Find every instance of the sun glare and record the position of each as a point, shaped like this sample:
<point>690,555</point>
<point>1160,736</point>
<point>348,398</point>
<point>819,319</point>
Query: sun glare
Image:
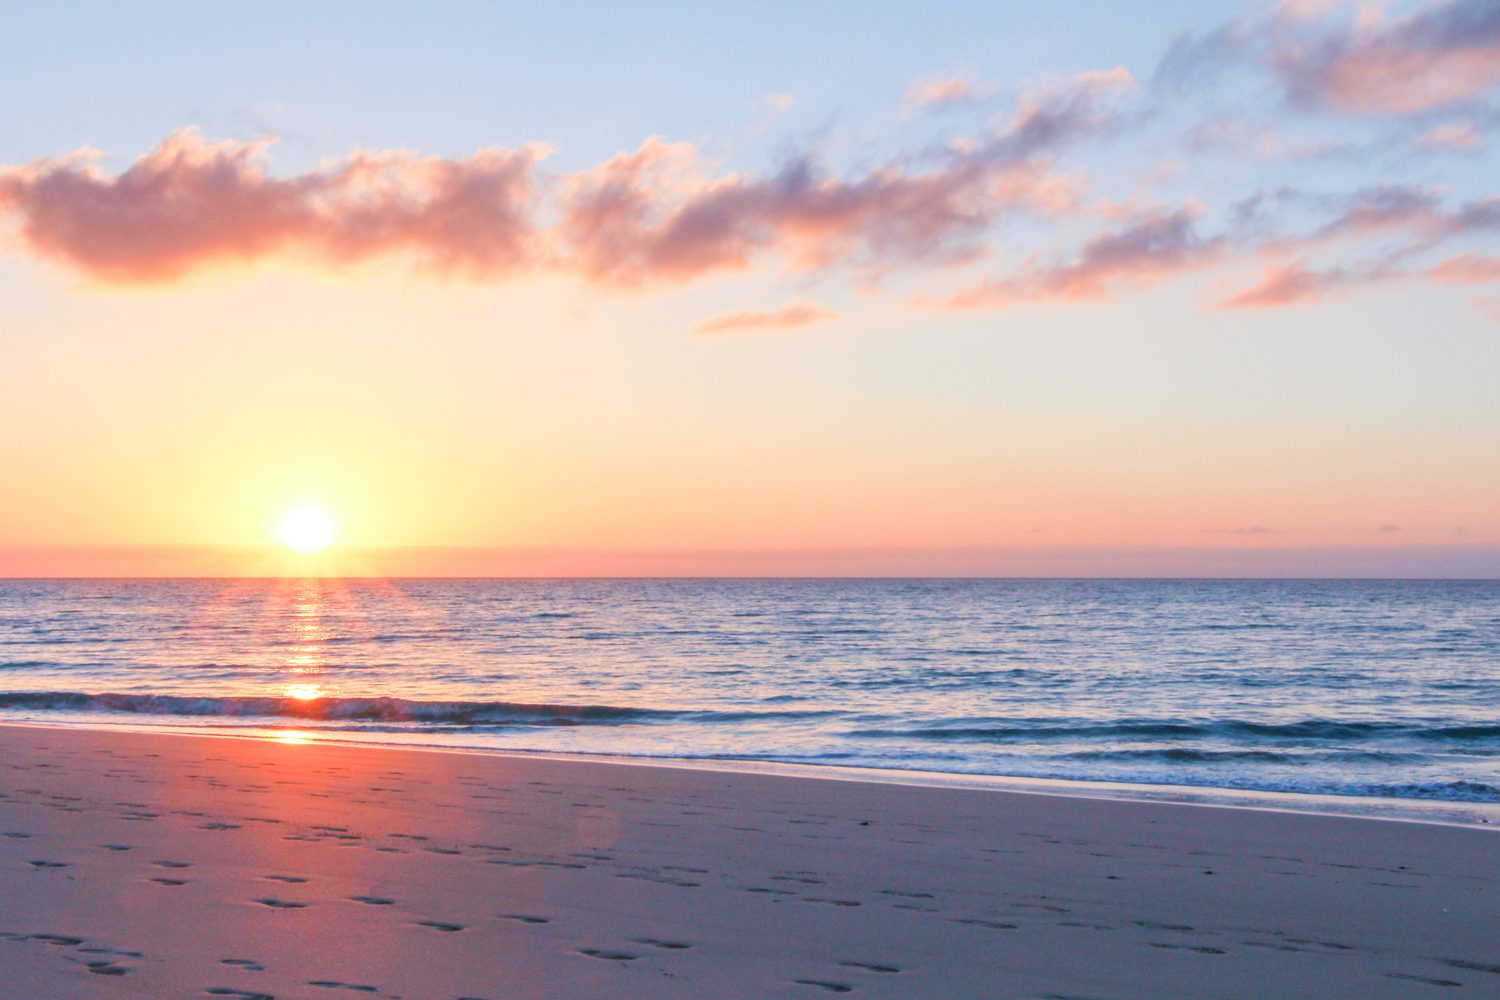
<point>306,529</point>
<point>304,692</point>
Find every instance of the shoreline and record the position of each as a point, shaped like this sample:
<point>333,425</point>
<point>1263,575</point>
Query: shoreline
<point>1443,812</point>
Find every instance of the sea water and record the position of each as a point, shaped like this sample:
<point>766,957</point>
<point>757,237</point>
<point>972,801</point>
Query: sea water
<point>1367,688</point>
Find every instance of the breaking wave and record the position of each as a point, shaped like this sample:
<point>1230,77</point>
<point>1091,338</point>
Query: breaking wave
<point>373,710</point>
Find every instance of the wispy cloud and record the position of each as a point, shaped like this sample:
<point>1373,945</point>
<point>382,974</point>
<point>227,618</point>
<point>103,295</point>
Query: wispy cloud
<point>936,95</point>
<point>1446,54</point>
<point>1254,529</point>
<point>1156,246</point>
<point>1347,58</point>
<point>1489,305</point>
<point>1285,284</point>
<point>790,317</point>
<point>1467,269</point>
<point>1454,135</point>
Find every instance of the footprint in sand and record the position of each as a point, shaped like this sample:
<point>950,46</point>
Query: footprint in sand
<point>289,879</point>
<point>1421,979</point>
<point>169,881</point>
<point>280,904</point>
<point>48,864</point>
<point>227,991</point>
<point>869,967</point>
<point>523,918</point>
<point>1153,925</point>
<point>608,956</point>
<point>107,969</point>
<point>670,945</point>
<point>245,964</point>
<point>110,951</point>
<point>372,900</point>
<point>823,985</point>
<point>330,984</point>
<point>440,926</point>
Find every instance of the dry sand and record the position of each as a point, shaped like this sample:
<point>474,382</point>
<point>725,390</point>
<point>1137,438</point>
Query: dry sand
<point>143,865</point>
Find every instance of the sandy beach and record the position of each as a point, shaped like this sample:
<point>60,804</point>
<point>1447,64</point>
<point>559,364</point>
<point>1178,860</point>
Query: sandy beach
<point>143,865</point>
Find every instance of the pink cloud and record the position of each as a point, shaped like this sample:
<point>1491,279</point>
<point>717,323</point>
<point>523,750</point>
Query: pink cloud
<point>1467,269</point>
<point>189,205</point>
<point>1285,284</point>
<point>651,217</point>
<point>1299,282</point>
<point>1388,210</point>
<point>791,317</point>
<point>930,94</point>
<point>1489,305</point>
<point>1455,135</point>
<point>1057,112</point>
<point>1416,217</point>
<point>648,217</point>
<point>633,221</point>
<point>1154,247</point>
<point>1446,54</point>
<point>1404,222</point>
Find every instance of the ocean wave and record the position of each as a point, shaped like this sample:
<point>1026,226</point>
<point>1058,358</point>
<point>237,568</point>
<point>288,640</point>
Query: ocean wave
<point>1306,731</point>
<point>1450,791</point>
<point>377,710</point>
<point>1185,755</point>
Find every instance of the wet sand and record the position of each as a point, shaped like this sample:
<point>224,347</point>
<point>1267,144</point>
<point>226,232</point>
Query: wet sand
<point>145,865</point>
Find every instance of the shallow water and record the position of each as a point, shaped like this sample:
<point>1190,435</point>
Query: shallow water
<point>1385,688</point>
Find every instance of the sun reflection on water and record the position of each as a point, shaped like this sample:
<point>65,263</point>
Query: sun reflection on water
<point>304,692</point>
<point>308,630</point>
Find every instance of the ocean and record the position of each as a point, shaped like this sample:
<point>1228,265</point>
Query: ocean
<point>1356,688</point>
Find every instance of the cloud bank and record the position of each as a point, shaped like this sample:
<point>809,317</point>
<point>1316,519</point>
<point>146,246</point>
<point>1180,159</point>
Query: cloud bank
<point>1028,207</point>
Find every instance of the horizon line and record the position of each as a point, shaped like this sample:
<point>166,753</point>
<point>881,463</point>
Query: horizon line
<point>1453,561</point>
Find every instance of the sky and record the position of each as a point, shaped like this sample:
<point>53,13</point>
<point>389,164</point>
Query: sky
<point>1036,281</point>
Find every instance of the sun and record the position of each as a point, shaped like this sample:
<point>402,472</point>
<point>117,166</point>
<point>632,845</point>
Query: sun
<point>306,529</point>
